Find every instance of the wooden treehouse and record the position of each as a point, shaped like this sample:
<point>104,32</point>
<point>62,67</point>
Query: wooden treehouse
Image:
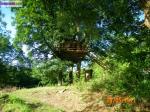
<point>71,50</point>
<point>75,51</point>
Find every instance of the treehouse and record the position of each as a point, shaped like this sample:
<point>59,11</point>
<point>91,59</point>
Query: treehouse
<point>71,50</point>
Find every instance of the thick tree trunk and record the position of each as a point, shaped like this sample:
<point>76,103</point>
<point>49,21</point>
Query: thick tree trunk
<point>145,5</point>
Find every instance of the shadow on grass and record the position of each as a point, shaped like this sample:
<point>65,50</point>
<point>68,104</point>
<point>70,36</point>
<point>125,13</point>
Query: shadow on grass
<point>10,103</point>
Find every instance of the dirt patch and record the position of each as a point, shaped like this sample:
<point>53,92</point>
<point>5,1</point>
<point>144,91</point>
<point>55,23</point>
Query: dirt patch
<point>95,102</point>
<point>71,100</point>
<point>8,89</point>
<point>66,99</point>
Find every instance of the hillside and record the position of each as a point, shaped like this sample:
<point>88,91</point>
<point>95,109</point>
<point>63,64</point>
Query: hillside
<point>52,99</point>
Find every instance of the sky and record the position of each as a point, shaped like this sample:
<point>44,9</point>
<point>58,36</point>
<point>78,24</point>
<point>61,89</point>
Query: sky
<point>8,19</point>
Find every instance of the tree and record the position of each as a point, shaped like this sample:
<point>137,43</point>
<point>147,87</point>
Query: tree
<point>12,75</point>
<point>47,23</point>
<point>145,5</point>
<point>111,28</point>
<point>51,71</point>
<point>4,37</point>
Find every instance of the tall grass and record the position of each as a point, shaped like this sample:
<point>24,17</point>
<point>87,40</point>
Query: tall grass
<point>11,103</point>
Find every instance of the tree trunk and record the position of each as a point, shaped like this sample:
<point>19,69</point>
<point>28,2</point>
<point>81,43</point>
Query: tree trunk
<point>88,74</point>
<point>145,5</point>
<point>71,76</point>
<point>60,78</point>
<point>78,70</point>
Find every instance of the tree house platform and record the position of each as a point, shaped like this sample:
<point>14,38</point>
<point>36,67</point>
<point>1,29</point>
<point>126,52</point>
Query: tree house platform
<point>73,51</point>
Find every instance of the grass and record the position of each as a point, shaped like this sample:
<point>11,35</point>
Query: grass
<point>14,103</point>
<point>38,99</point>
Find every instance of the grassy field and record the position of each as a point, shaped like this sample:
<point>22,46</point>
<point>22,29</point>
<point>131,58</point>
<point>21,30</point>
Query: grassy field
<point>50,99</point>
<point>22,101</point>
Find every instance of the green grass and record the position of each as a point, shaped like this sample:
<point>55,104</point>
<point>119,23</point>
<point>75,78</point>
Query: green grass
<point>13,103</point>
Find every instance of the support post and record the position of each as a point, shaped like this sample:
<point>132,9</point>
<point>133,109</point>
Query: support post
<point>60,78</point>
<point>88,74</point>
<point>71,75</point>
<point>78,70</point>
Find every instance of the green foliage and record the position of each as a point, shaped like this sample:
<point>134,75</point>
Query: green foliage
<point>47,23</point>
<point>12,76</point>
<point>4,36</point>
<point>48,72</point>
<point>97,81</point>
<point>4,43</point>
<point>42,24</point>
<point>125,79</point>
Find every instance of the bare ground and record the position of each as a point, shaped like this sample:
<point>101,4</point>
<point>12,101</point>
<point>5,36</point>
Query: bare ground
<point>68,99</point>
